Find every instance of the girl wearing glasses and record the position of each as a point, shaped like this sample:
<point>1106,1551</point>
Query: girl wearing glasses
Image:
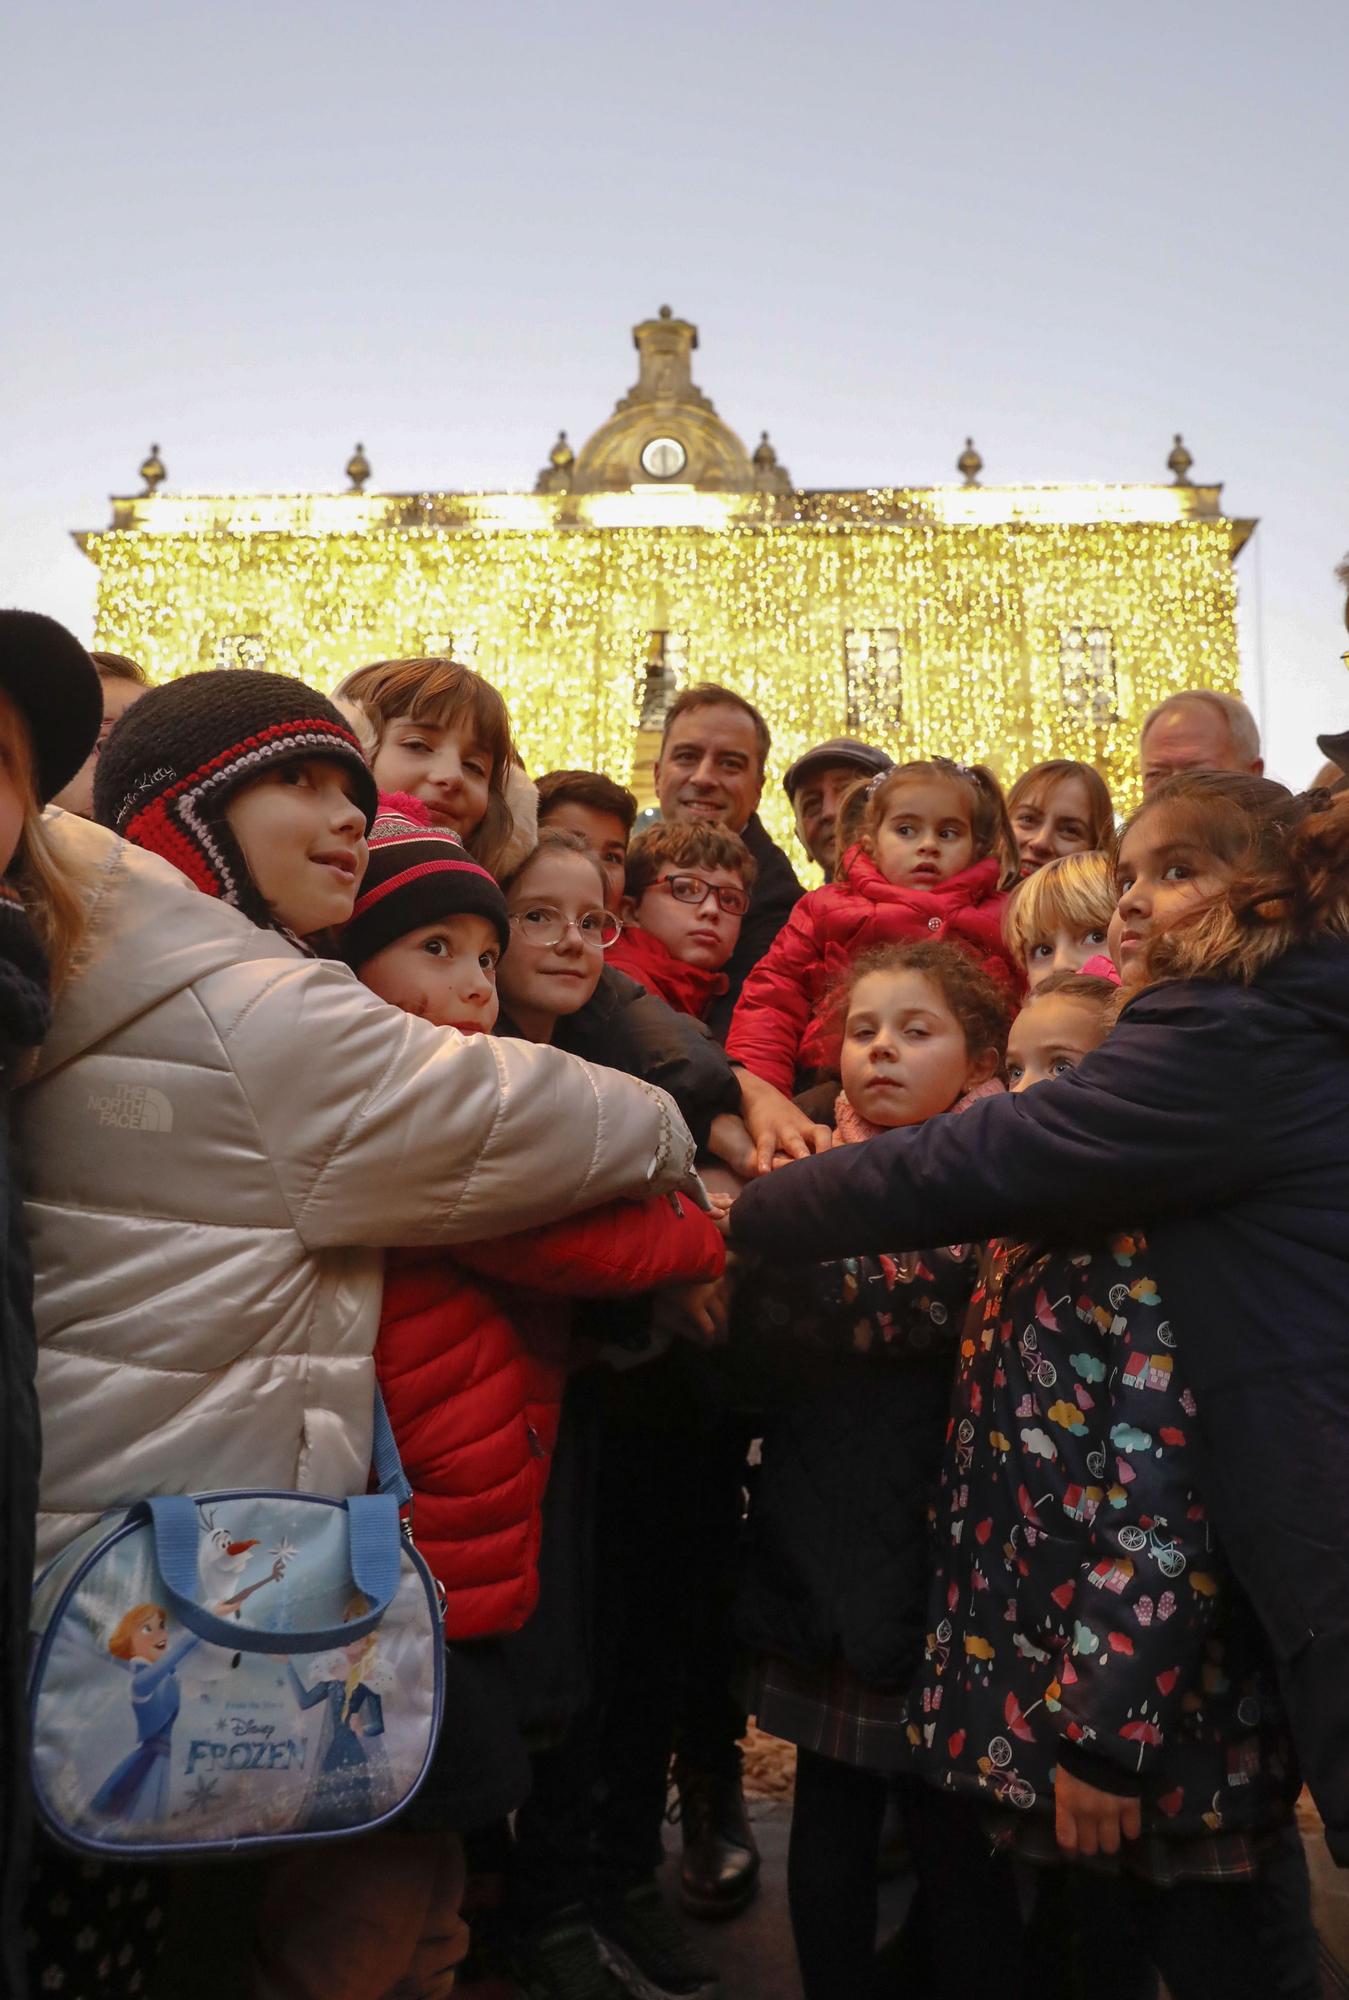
<point>561,929</point>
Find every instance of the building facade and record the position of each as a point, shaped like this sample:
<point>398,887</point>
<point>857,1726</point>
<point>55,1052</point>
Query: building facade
<point>1006,623</point>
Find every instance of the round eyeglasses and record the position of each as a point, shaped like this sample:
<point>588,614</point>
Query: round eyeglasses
<point>546,927</point>
<point>693,889</point>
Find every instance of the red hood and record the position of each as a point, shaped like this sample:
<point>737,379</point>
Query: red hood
<point>972,885</point>
<point>687,988</point>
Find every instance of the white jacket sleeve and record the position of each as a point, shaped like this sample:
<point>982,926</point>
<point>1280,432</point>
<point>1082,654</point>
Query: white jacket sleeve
<point>382,1130</point>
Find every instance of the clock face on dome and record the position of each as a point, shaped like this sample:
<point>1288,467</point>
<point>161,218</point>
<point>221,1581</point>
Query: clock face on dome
<point>663,458</point>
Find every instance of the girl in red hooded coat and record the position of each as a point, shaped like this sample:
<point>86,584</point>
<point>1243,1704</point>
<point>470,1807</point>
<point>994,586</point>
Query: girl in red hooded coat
<point>931,859</point>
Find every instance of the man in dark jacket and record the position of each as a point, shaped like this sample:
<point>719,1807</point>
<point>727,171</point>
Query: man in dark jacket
<point>713,757</point>
<point>1217,1115</point>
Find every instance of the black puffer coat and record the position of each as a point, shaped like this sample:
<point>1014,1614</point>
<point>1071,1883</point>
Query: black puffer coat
<point>1217,1117</point>
<point>856,1372</point>
<point>622,1026</point>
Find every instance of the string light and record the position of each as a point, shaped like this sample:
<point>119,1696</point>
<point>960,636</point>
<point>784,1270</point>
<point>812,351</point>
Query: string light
<point>556,606</point>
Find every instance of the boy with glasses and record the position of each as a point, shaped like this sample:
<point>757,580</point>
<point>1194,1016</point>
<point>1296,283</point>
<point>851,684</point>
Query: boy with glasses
<point>685,896</point>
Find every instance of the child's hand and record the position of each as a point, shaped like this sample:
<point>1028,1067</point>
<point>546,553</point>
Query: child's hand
<point>695,1313</point>
<point>721,1187</point>
<point>728,1137</point>
<point>781,1130</point>
<point>1089,1821</point>
<point>720,1213</point>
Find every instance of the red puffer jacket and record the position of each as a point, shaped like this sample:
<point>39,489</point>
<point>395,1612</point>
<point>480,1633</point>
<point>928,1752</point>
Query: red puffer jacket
<point>472,1358</point>
<point>777,1027</point>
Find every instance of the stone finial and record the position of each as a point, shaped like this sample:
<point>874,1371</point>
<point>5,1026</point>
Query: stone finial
<point>556,476</point>
<point>358,469</point>
<point>969,465</point>
<point>152,470</point>
<point>769,476</point>
<point>1179,462</point>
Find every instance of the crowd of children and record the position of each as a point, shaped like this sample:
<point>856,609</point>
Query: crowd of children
<point>340,1050</point>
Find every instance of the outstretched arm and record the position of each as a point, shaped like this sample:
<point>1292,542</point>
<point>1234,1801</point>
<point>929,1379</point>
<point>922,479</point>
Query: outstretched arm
<point>1166,1114</point>
<point>418,1135</point>
<point>623,1248</point>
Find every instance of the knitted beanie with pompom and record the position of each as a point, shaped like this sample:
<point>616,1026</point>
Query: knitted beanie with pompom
<point>419,873</point>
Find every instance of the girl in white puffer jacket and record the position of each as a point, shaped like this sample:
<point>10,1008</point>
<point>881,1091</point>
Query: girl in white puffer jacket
<point>224,1131</point>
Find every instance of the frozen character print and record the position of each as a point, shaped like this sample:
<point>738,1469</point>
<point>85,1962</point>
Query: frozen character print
<point>223,1563</point>
<point>137,1791</point>
<point>343,1793</point>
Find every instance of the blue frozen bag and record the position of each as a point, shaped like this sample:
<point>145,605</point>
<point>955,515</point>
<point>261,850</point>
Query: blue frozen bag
<point>235,1670</point>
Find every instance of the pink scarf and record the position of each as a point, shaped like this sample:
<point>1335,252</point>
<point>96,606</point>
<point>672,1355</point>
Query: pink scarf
<point>850,1125</point>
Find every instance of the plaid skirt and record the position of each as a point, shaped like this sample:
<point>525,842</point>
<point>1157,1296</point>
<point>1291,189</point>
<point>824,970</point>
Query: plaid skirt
<point>829,1710</point>
<point>1212,1857</point>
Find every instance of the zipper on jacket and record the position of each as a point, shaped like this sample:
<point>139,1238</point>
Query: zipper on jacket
<point>535,1444</point>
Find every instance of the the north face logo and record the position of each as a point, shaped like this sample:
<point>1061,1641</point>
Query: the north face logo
<point>136,1107</point>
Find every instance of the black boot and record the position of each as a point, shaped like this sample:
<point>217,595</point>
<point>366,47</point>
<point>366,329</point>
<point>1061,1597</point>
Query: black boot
<point>719,1872</point>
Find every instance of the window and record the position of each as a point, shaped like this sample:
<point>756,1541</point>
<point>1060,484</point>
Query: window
<point>871,674</point>
<point>239,649</point>
<point>439,643</point>
<point>1087,673</point>
<point>664,665</point>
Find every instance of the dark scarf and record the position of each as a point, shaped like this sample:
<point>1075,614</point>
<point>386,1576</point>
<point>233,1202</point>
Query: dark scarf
<point>25,978</point>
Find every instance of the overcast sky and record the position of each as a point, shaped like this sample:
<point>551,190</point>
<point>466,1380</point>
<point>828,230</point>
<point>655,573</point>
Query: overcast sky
<point>256,233</point>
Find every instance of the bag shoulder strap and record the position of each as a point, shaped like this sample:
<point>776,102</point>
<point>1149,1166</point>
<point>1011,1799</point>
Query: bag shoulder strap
<point>389,1474</point>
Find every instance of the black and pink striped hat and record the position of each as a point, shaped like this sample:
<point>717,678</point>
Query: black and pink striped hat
<point>419,873</point>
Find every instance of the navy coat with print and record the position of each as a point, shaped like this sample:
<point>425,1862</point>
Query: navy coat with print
<point>1081,1614</point>
<point>1216,1117</point>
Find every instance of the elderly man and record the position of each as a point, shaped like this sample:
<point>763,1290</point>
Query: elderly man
<point>816,782</point>
<point>711,766</point>
<point>1198,730</point>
